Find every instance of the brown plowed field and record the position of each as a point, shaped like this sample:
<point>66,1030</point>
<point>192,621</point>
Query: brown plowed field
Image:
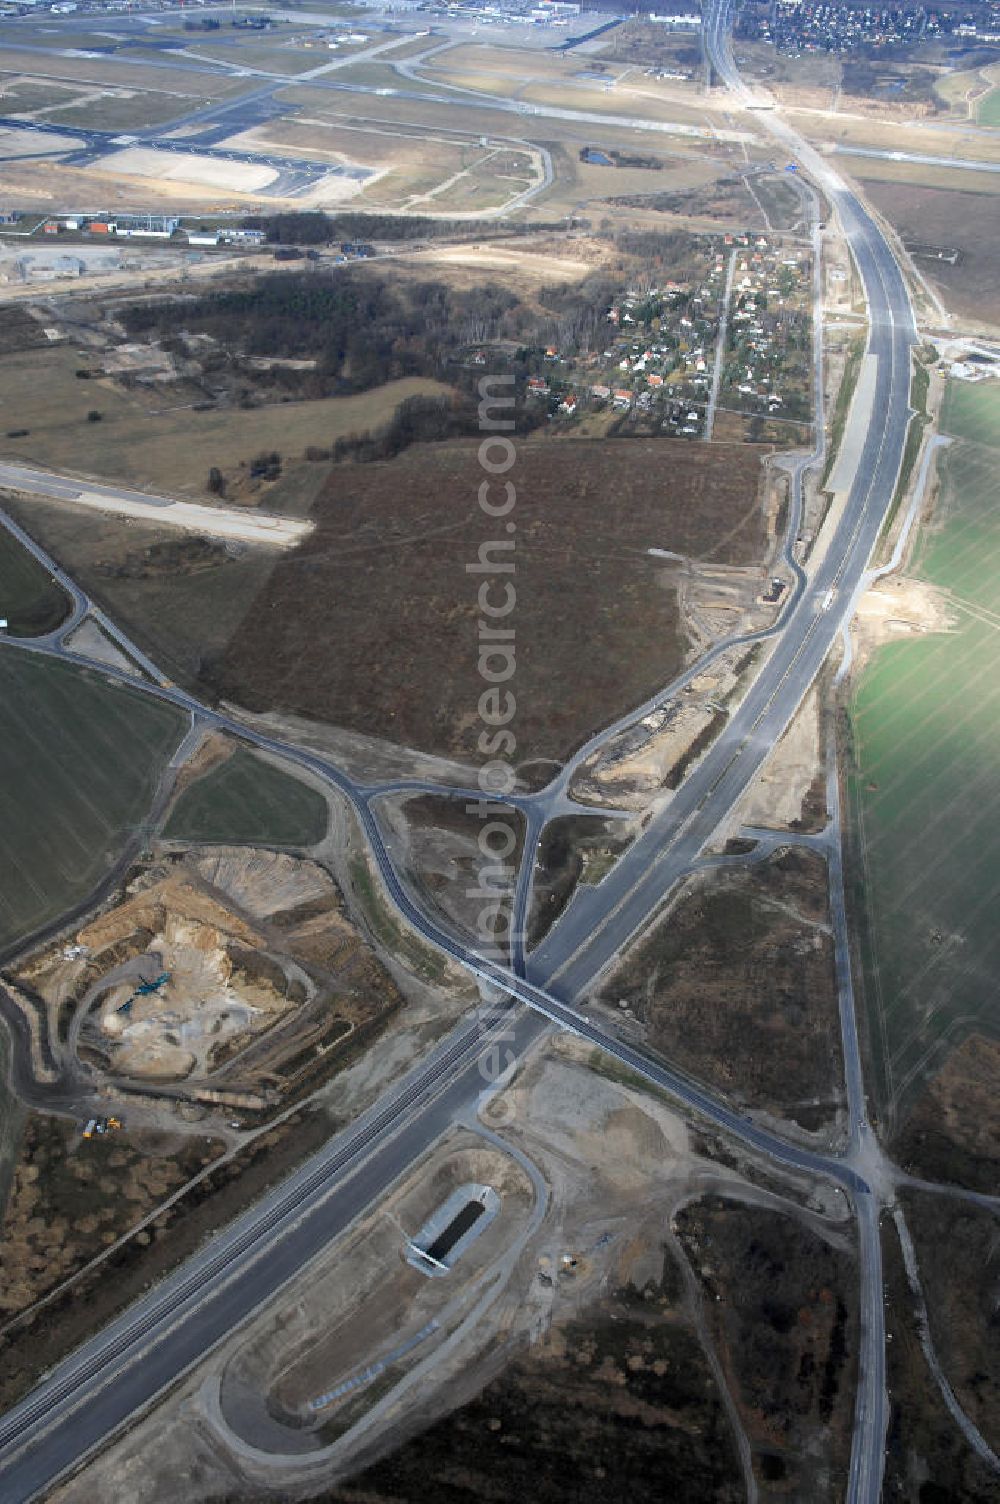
<point>929,219</point>
<point>372,623</point>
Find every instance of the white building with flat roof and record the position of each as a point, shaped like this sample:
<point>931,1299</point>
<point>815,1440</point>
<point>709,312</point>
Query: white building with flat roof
<point>686,21</point>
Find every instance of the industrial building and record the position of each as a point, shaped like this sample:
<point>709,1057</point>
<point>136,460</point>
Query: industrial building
<point>155,226</point>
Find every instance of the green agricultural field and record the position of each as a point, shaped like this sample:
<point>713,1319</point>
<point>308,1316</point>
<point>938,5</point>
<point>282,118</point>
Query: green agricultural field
<point>80,761</point>
<point>926,801</point>
<point>988,110</point>
<point>972,411</point>
<point>246,799</point>
<point>30,600</point>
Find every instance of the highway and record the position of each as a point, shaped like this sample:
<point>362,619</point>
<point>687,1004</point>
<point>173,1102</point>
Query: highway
<point>159,1338</point>
<point>891,335</point>
<point>162,1335</point>
<point>965,164</point>
<point>599,921</point>
<point>496,978</point>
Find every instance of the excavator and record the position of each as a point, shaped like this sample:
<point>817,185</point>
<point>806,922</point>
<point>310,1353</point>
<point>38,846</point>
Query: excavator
<point>144,989</point>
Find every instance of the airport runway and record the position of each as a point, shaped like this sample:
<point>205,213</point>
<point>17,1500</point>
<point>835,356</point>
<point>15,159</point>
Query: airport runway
<point>295,173</point>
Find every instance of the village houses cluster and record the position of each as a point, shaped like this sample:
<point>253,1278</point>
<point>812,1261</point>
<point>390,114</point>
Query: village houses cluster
<point>658,366</point>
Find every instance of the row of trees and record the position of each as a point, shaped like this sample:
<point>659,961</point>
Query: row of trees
<point>362,331</point>
<point>312,227</point>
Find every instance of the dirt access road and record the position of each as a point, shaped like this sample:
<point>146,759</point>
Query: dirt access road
<point>215,522</point>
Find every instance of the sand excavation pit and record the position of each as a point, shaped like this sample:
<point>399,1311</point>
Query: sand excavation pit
<point>188,167</point>
<point>218,990</point>
<point>901,607</point>
<point>204,1004</point>
<point>234,970</point>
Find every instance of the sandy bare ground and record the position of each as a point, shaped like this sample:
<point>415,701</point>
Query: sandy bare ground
<point>616,1162</point>
<point>333,189</point>
<point>14,143</point>
<point>217,522</point>
<point>213,522</point>
<point>257,139</point>
<point>88,638</point>
<point>496,258</point>
<point>188,167</point>
<point>189,170</point>
<point>45,182</point>
<point>776,796</point>
<point>900,607</point>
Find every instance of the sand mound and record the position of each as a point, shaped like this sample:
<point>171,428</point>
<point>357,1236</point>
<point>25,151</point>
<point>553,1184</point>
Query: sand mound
<point>262,883</point>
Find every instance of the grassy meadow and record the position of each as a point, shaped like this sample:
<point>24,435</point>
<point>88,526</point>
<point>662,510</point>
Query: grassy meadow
<point>925,790</point>
<point>248,800</point>
<point>80,761</point>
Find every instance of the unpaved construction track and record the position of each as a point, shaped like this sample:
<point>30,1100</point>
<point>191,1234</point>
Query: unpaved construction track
<point>215,522</point>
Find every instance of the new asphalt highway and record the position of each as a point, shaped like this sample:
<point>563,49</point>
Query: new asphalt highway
<point>964,164</point>
<point>186,1315</point>
<point>600,920</point>
<point>117,1374</point>
<point>157,1340</point>
<point>892,334</point>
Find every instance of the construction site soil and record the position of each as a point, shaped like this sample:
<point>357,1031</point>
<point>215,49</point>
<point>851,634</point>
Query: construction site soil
<point>372,623</point>
<point>952,1133</point>
<point>782,1308</point>
<point>462,858</point>
<point>589,1370</point>
<point>736,984</point>
<point>926,1456</point>
<point>265,980</point>
<point>19,331</point>
<point>606,1405</point>
<point>957,1246</point>
<point>367,1302</point>
<point>265,991</point>
<point>933,220</point>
